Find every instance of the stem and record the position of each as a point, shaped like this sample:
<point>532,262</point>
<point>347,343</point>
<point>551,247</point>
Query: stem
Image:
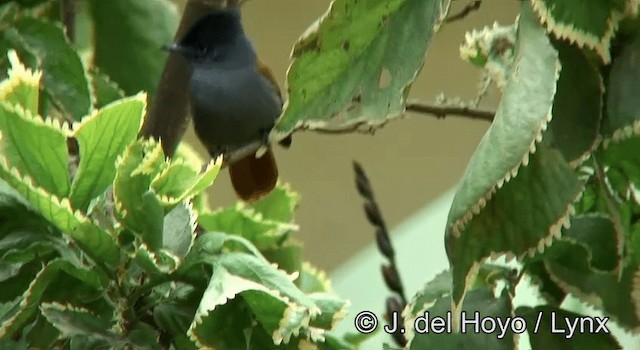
<point>471,7</point>
<point>443,111</point>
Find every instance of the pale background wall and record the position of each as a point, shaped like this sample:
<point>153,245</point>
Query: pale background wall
<point>410,161</point>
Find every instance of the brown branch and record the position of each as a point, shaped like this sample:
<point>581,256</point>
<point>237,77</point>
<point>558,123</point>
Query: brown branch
<point>68,18</point>
<point>415,107</point>
<point>474,6</point>
<point>167,117</point>
<point>443,111</point>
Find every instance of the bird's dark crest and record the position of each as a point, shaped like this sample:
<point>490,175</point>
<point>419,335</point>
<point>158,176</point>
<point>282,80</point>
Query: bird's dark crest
<point>217,28</point>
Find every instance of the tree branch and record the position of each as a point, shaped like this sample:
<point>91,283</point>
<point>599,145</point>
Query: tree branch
<point>443,111</point>
<point>474,6</point>
<point>68,18</point>
<point>167,117</point>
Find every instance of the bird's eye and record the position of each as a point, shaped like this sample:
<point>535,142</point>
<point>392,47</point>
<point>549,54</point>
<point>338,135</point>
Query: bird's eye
<point>201,51</point>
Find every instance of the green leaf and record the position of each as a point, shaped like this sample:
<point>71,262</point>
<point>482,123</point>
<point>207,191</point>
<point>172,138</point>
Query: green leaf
<point>598,235</point>
<point>279,205</point>
<point>16,213</point>
<point>356,64</point>
<point>478,304</point>
<point>36,148</point>
<point>277,304</point>
<point>623,105</point>
<point>209,245</point>
<point>15,319</point>
<point>101,139</point>
<point>181,180</point>
<point>22,87</point>
<point>245,222</point>
<point>540,278</point>
<point>622,157</point>
<point>577,106</point>
<point>90,237</point>
<point>613,292</point>
<point>231,320</point>
<point>134,171</point>
<point>287,256</point>
<point>179,230</point>
<point>521,218</point>
<point>71,320</point>
<point>104,90</point>
<point>549,318</point>
<point>313,280</point>
<point>591,23</point>
<point>137,29</point>
<point>64,77</point>
<point>41,334</point>
<point>511,199</point>
<point>332,310</point>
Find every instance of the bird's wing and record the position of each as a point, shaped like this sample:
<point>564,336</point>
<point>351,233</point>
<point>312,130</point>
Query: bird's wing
<point>266,72</point>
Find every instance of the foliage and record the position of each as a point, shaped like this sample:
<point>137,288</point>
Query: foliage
<point>554,183</point>
<point>106,243</point>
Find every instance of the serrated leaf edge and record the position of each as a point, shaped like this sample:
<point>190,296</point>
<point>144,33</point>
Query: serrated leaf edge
<point>577,36</point>
<point>593,300</point>
<point>140,97</point>
<point>18,73</point>
<point>61,203</point>
<point>320,275</point>
<point>458,226</point>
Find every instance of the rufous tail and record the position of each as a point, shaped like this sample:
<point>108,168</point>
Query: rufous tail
<point>253,178</point>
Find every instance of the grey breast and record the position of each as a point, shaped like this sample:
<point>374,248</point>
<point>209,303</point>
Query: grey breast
<point>232,107</point>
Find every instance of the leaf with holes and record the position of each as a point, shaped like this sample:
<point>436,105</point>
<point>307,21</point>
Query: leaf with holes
<point>355,65</point>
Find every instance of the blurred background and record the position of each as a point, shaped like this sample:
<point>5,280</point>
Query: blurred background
<point>409,161</point>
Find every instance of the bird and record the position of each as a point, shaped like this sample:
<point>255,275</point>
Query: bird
<point>235,99</point>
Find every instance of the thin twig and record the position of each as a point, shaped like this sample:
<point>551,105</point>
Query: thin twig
<point>471,7</point>
<point>397,302</point>
<point>443,111</point>
<point>415,106</point>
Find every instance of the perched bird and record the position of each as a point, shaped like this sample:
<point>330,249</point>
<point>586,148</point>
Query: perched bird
<point>235,99</point>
